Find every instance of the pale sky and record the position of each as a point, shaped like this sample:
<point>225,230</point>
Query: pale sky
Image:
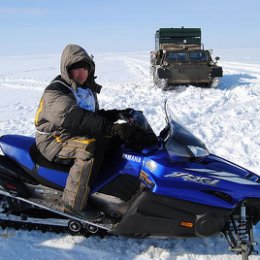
<point>46,26</point>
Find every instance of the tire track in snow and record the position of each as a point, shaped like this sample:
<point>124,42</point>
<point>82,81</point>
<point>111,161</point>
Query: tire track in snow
<point>28,84</point>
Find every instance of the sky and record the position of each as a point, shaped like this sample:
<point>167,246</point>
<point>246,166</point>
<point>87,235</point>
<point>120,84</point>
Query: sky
<point>47,26</point>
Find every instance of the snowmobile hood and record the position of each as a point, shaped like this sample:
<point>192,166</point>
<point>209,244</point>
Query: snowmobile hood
<point>210,180</point>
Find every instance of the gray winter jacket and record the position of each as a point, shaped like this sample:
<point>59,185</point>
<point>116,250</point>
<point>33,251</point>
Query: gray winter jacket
<point>59,117</point>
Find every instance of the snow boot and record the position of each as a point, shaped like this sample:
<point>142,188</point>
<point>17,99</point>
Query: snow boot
<point>89,214</point>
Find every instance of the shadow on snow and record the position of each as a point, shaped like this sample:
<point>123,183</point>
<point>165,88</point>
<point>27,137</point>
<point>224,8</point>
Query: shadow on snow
<point>229,82</point>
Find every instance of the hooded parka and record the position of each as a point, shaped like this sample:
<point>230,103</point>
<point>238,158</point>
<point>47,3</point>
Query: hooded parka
<point>59,116</point>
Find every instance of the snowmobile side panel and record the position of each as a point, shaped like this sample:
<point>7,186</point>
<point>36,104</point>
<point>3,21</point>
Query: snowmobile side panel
<point>154,215</point>
<point>53,176</point>
<point>123,187</point>
<point>210,180</point>
<point>12,178</point>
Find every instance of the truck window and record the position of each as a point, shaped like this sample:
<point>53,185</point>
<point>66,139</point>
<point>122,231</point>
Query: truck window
<point>198,56</point>
<point>176,56</point>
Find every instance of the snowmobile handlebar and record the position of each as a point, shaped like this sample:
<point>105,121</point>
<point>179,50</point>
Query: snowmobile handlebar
<point>134,118</point>
<point>143,135</point>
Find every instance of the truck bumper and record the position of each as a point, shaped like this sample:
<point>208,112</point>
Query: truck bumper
<point>189,75</point>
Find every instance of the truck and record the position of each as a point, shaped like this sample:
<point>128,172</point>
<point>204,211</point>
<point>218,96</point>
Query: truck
<point>179,58</point>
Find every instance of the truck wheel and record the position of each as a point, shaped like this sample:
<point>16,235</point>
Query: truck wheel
<point>214,83</point>
<point>164,84</point>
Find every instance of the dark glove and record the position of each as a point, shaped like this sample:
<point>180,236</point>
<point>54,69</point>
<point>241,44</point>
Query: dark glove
<point>141,139</point>
<point>125,114</point>
<point>124,131</point>
<point>114,114</point>
<point>111,115</point>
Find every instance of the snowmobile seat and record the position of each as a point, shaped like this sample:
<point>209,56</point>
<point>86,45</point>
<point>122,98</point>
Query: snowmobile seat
<point>16,148</point>
<point>40,160</point>
<point>23,151</point>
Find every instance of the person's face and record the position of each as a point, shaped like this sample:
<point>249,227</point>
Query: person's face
<point>79,75</point>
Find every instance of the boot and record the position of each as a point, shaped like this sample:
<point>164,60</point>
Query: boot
<point>90,214</point>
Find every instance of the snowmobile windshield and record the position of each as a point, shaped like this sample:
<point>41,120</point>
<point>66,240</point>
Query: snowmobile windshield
<point>181,143</point>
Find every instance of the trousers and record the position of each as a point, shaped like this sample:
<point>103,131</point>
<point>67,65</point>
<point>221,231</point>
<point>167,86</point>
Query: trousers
<point>82,154</point>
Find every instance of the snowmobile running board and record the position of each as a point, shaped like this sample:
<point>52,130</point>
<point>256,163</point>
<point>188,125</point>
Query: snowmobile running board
<point>73,223</point>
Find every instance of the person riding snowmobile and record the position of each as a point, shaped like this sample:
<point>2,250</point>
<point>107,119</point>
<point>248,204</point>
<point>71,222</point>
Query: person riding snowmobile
<point>70,128</point>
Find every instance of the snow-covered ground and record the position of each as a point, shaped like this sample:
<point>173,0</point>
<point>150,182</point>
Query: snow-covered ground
<point>227,119</point>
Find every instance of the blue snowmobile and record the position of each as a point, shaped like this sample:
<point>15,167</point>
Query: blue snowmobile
<point>175,188</point>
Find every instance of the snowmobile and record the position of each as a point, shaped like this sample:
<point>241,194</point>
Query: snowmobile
<point>175,188</point>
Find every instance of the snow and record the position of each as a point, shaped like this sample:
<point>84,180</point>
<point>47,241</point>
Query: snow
<point>227,119</point>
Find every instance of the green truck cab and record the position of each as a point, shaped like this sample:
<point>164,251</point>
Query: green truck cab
<point>180,59</point>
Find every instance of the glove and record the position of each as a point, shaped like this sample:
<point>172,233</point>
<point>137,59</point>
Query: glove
<point>111,115</point>
<point>114,114</point>
<point>126,113</point>
<point>124,131</point>
<point>141,139</point>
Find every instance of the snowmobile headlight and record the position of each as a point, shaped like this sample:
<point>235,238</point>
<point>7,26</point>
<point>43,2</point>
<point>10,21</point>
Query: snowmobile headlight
<point>151,165</point>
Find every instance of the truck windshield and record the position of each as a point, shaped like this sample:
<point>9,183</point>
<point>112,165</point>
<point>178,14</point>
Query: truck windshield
<point>198,56</point>
<point>181,143</point>
<point>176,56</point>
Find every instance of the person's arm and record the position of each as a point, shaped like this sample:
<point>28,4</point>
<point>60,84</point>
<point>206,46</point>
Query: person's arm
<point>63,111</point>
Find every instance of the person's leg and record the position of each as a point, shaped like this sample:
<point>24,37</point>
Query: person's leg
<point>76,191</point>
<point>77,188</point>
